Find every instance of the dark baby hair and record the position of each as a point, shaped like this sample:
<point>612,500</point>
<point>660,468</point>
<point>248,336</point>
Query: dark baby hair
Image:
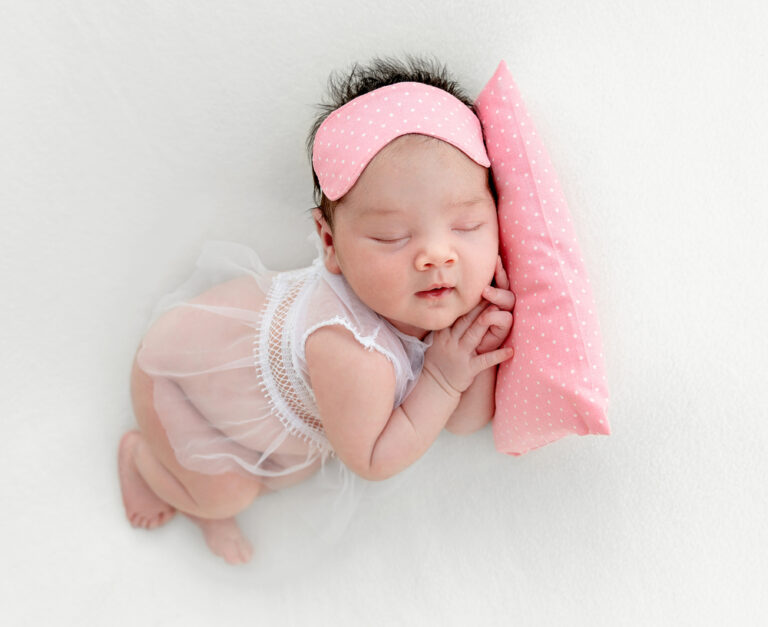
<point>361,79</point>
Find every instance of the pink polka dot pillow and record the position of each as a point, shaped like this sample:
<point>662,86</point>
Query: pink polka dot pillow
<point>555,384</point>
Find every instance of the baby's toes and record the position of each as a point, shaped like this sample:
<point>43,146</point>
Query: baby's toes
<point>141,521</point>
<point>238,551</point>
<point>225,539</point>
<point>246,551</point>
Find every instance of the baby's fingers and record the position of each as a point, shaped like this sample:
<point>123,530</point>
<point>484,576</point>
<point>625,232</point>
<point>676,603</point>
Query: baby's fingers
<point>499,320</point>
<point>503,299</point>
<point>464,322</point>
<point>500,276</point>
<point>494,358</point>
<point>474,334</point>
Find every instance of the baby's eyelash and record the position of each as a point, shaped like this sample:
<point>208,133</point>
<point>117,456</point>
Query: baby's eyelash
<point>474,227</point>
<point>388,240</point>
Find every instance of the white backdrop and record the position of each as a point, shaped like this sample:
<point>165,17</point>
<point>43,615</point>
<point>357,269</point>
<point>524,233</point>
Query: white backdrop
<point>132,131</point>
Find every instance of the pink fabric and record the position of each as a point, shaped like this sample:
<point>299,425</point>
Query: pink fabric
<point>352,135</point>
<point>555,384</point>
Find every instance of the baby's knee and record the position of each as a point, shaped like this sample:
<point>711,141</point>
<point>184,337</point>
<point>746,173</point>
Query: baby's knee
<point>224,496</point>
<point>142,397</point>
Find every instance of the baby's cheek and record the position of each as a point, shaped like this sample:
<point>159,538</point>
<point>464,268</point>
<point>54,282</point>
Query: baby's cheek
<point>474,296</point>
<point>489,269</point>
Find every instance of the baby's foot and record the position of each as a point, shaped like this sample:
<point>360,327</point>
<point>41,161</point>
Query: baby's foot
<point>143,507</point>
<point>225,539</point>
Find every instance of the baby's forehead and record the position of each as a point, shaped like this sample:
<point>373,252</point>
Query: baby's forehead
<point>414,142</point>
<point>421,148</point>
<point>415,169</point>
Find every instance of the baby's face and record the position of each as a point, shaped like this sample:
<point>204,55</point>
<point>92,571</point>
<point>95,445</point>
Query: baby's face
<point>417,235</point>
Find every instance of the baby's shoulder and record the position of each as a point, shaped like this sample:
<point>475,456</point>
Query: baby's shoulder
<point>337,360</point>
<point>331,303</point>
<point>335,329</point>
<point>336,347</point>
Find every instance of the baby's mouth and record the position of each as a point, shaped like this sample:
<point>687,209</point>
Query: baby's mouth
<point>435,292</point>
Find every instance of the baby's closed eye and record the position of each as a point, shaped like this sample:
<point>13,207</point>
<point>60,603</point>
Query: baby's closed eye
<point>469,227</point>
<point>389,239</point>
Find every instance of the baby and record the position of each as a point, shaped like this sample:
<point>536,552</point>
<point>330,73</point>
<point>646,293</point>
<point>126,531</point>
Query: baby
<point>250,381</point>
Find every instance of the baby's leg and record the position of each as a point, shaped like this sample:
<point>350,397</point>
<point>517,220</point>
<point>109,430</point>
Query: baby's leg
<point>154,483</point>
<point>142,506</point>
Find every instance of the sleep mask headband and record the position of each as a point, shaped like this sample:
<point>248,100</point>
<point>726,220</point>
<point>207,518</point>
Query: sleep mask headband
<point>353,134</point>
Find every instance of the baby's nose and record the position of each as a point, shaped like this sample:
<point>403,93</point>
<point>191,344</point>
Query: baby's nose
<point>435,254</point>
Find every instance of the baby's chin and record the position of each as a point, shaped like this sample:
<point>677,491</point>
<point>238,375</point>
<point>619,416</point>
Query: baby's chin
<point>422,328</point>
<point>445,323</point>
<point>438,322</point>
<point>475,302</point>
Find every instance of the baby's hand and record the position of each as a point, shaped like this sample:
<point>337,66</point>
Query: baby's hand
<point>453,359</point>
<point>502,301</point>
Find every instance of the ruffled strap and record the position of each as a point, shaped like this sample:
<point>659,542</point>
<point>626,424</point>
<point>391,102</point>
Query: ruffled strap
<point>334,303</point>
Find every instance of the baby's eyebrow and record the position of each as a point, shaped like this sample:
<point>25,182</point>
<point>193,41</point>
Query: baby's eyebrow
<point>466,203</point>
<point>372,211</point>
<point>379,211</point>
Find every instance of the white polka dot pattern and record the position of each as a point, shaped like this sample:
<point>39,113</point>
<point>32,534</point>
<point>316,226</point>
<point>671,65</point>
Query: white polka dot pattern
<point>353,134</point>
<point>555,384</point>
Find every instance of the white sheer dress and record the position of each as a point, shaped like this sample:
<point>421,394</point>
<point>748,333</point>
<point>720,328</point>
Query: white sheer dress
<point>231,387</point>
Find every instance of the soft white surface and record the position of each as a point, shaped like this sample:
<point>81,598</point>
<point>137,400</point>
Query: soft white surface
<point>133,131</point>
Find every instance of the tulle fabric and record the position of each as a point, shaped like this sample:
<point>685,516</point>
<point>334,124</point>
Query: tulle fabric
<point>200,353</point>
<point>211,350</point>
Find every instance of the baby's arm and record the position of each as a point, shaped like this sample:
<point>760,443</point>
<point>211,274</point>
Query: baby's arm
<point>477,405</point>
<point>355,389</point>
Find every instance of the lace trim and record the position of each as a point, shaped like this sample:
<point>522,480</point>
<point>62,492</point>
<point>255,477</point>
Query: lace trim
<point>272,352</point>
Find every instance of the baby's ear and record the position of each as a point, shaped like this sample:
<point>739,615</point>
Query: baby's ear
<point>326,239</point>
<point>317,216</point>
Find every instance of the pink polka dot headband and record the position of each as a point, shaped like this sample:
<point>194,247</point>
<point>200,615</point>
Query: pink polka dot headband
<point>353,134</point>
